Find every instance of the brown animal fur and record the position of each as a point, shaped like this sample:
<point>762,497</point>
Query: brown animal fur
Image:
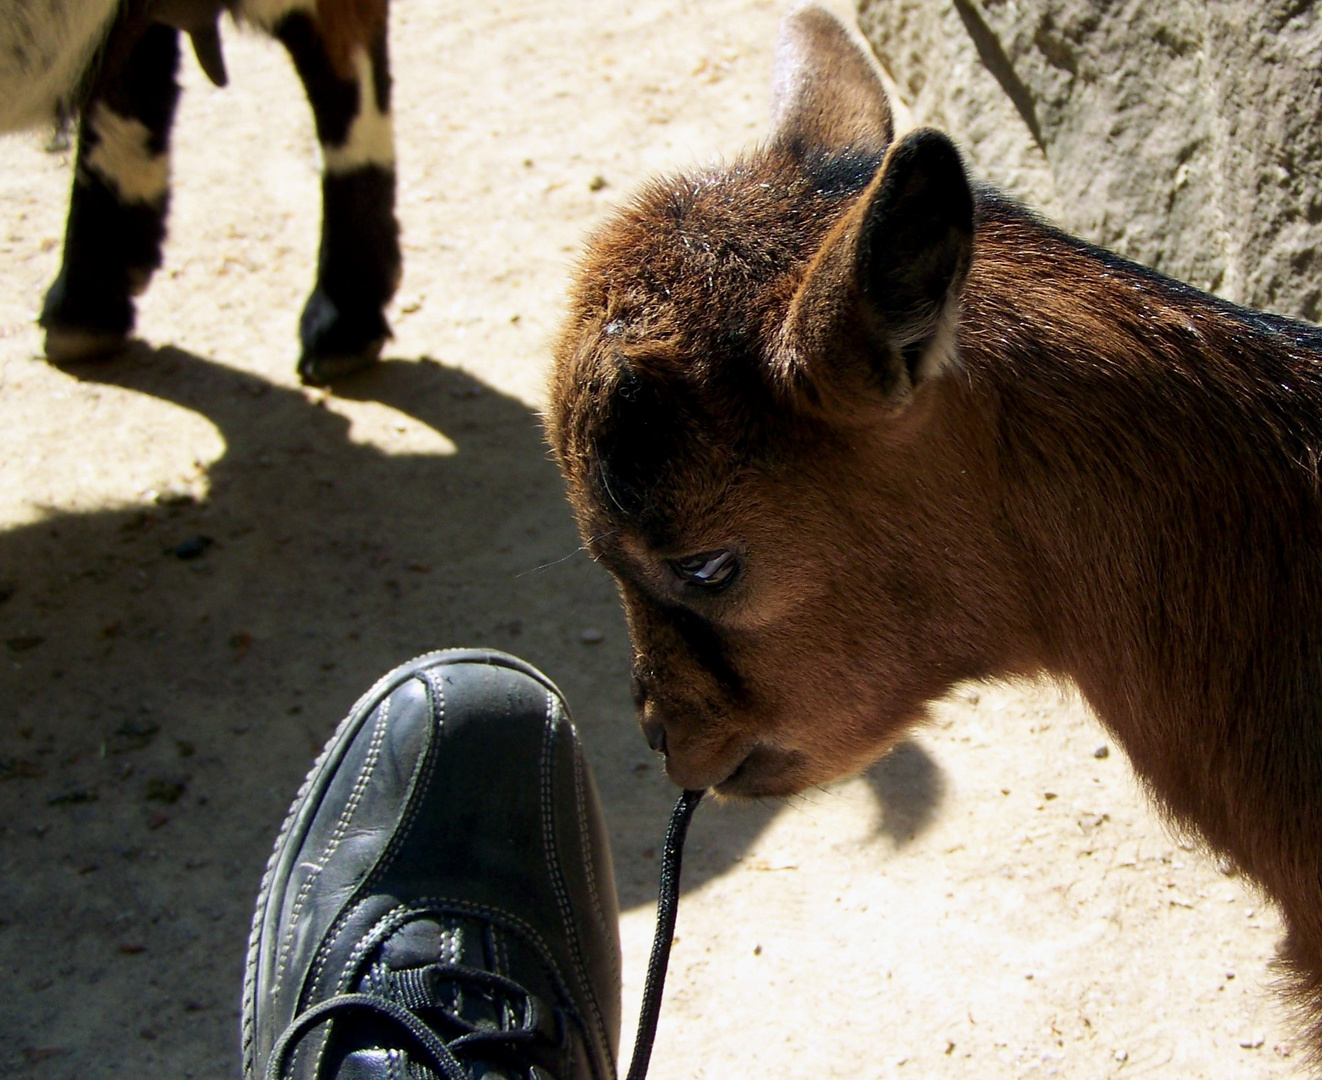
<point>348,27</point>
<point>946,441</point>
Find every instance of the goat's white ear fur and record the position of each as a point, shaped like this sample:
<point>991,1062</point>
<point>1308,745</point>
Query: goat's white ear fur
<point>827,89</point>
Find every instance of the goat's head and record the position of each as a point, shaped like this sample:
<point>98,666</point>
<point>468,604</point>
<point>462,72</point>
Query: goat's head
<point>747,407</point>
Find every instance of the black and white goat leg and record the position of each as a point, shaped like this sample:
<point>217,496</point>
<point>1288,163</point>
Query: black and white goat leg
<point>343,326</point>
<point>116,225</point>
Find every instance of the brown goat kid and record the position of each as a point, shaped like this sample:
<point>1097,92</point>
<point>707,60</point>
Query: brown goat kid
<point>847,430</point>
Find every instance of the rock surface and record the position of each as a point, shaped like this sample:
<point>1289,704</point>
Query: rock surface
<point>1184,135</point>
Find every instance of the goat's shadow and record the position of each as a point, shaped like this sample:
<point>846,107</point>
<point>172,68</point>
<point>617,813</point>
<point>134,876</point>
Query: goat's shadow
<point>172,669</point>
<point>908,785</point>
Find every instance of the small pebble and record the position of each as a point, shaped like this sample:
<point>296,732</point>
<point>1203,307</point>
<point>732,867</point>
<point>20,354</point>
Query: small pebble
<point>1101,752</point>
<point>191,548</point>
<point>1122,1055</point>
<point>597,183</point>
<point>1252,1042</point>
<point>591,636</point>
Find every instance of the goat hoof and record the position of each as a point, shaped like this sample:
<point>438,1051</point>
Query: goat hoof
<point>318,369</point>
<point>72,345</point>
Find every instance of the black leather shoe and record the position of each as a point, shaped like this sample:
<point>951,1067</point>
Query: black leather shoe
<point>440,901</point>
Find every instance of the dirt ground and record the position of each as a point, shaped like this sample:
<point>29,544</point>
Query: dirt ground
<point>995,900</point>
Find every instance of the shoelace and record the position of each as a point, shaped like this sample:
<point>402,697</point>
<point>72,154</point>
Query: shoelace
<point>441,1052</point>
<point>667,906</point>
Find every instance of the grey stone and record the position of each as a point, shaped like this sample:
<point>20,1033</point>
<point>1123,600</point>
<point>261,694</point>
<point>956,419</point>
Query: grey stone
<point>1184,135</point>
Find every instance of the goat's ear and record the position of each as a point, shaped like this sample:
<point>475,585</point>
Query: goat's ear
<point>826,88</point>
<point>876,311</point>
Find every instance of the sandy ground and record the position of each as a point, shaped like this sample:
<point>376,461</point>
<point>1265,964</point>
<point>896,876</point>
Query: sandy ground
<point>995,900</point>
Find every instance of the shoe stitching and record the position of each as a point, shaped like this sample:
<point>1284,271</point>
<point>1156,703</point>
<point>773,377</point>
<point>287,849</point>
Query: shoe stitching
<point>264,891</point>
<point>249,1031</point>
<point>365,944</point>
<point>585,838</point>
<point>390,921</point>
<point>399,675</point>
<point>332,844</point>
<point>556,708</point>
<point>337,834</point>
<point>498,916</point>
<point>317,967</point>
<point>424,664</point>
<point>377,933</point>
<point>553,863</point>
<point>436,700</point>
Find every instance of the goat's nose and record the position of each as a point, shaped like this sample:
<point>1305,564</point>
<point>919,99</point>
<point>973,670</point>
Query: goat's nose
<point>655,733</point>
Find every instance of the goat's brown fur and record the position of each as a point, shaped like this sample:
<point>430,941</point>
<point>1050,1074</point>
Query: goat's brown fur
<point>948,444</point>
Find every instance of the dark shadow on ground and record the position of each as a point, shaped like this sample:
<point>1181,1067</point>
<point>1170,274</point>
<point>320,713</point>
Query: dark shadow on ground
<point>909,788</point>
<point>168,673</point>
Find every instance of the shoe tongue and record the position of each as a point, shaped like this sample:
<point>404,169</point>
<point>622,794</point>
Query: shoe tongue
<point>429,941</point>
<point>410,969</point>
<point>406,971</point>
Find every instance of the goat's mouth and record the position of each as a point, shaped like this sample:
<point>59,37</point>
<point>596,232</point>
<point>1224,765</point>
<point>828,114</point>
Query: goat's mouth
<point>764,771</point>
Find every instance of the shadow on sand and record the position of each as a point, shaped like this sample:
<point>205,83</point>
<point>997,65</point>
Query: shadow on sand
<point>171,670</point>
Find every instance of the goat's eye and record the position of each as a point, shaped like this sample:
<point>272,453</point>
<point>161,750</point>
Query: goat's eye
<point>710,569</point>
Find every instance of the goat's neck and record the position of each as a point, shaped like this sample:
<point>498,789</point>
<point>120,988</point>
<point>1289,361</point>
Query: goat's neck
<point>1156,464</point>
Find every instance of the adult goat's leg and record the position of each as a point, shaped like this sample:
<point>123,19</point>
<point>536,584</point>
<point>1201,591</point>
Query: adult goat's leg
<point>117,213</point>
<point>347,77</point>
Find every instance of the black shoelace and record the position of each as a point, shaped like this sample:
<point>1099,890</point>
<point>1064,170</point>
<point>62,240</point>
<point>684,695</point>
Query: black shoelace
<point>667,905</point>
<point>439,1053</point>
